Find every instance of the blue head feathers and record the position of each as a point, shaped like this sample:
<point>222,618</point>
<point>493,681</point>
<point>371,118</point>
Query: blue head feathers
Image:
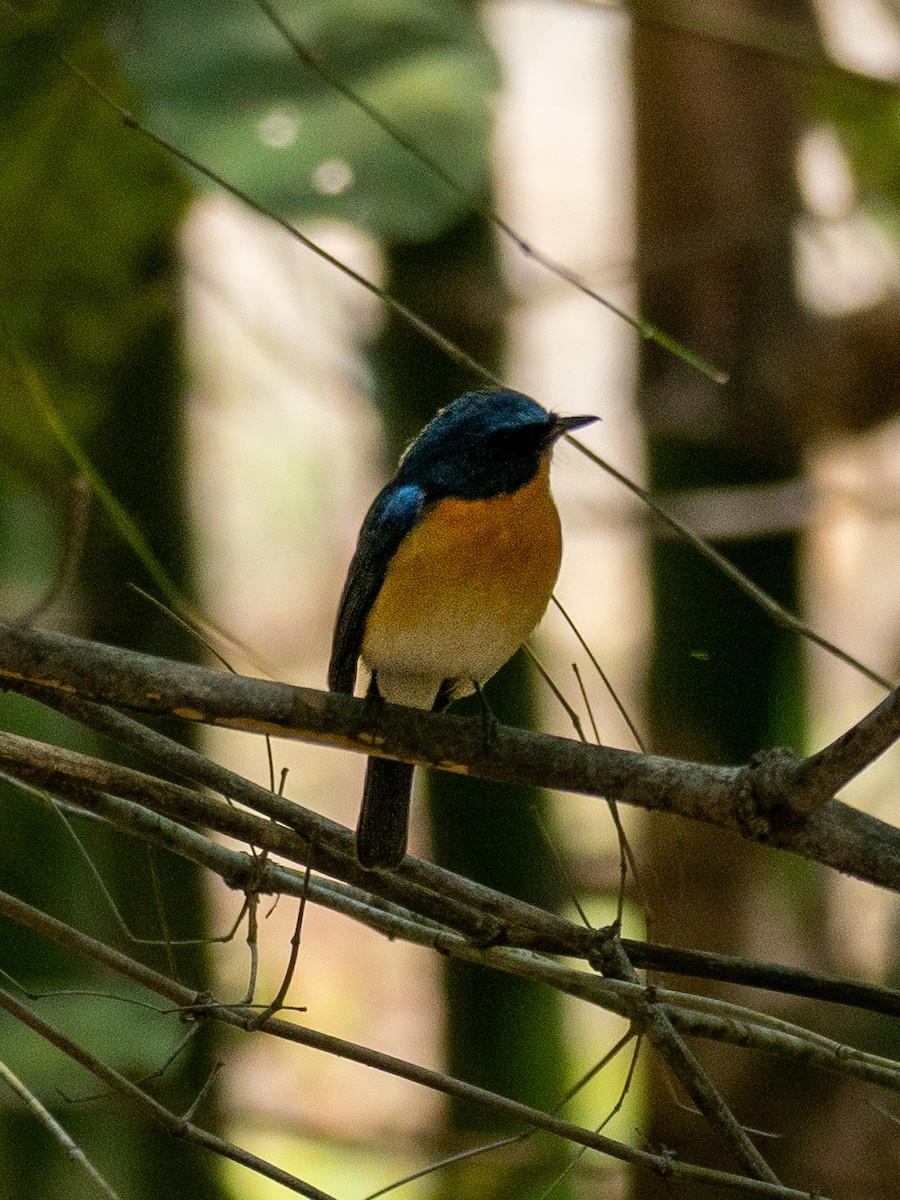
<point>482,445</point>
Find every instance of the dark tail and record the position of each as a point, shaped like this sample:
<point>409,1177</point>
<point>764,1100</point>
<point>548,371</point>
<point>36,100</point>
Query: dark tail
<point>384,816</point>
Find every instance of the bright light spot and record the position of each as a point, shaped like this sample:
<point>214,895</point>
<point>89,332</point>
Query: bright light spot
<point>826,180</point>
<point>279,128</point>
<point>844,259</point>
<point>332,177</point>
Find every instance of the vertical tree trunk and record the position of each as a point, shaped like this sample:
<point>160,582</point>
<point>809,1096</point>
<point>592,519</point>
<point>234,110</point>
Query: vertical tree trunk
<point>500,1032</point>
<point>91,297</point>
<point>717,132</point>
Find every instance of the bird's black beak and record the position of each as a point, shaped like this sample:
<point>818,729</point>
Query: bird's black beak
<point>564,425</point>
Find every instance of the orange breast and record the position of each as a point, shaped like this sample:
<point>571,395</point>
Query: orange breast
<point>467,586</point>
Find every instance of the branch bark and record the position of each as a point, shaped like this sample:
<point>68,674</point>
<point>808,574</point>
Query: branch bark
<point>197,1007</point>
<point>754,800</point>
<point>62,672</point>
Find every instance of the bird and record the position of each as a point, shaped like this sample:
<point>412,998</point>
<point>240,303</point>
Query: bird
<point>455,564</point>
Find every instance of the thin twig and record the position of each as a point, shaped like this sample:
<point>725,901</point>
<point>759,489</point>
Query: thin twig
<point>626,857</point>
<point>780,615</point>
<point>524,925</point>
<point>451,1160</point>
<point>607,683</point>
<point>655,1022</point>
<point>501,1143</point>
<point>557,692</point>
<point>661,1165</point>
<point>278,1000</point>
<point>616,1108</point>
<point>699,1016</point>
<point>648,331</point>
<point>450,348</point>
<point>159,905</point>
<point>73,549</point>
<point>50,1123</point>
<point>151,1108</point>
<point>110,901</point>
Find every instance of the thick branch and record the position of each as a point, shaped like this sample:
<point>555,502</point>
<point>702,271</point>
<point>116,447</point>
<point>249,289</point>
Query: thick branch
<point>754,800</point>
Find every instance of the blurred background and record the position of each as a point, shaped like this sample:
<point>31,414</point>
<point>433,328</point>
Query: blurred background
<point>729,170</point>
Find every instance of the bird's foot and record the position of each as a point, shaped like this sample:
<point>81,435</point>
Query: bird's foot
<point>489,722</point>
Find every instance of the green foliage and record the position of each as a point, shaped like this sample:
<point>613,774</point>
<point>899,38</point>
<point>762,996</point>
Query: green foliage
<point>89,370</point>
<point>84,208</point>
<point>222,82</point>
<point>866,115</point>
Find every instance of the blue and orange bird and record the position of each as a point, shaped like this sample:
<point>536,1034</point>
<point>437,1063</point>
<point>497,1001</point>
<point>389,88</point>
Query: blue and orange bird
<point>455,564</point>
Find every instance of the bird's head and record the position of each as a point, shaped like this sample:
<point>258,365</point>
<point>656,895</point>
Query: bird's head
<point>483,444</point>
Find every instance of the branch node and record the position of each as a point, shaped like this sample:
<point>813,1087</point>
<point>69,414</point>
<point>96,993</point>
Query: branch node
<point>771,802</point>
<point>605,951</point>
<point>668,1164</point>
<point>490,931</point>
<point>198,1009</point>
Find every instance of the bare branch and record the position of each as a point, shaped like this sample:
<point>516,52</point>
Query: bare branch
<point>47,1119</point>
<point>754,800</point>
<point>151,1108</point>
<point>611,958</point>
<point>818,777</point>
<point>202,1007</point>
<point>88,781</point>
<point>700,1016</point>
<point>419,901</point>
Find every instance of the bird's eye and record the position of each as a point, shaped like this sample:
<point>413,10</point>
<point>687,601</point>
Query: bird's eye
<point>502,439</point>
<point>517,440</point>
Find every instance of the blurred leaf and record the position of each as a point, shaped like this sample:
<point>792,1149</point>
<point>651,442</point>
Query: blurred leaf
<point>84,208</point>
<point>219,80</point>
<point>104,1023</point>
<point>866,115</point>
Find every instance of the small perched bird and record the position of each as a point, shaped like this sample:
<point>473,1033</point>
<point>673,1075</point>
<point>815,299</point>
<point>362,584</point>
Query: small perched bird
<point>455,564</point>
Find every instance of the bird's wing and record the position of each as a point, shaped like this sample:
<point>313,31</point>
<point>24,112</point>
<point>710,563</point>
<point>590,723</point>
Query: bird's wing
<point>395,511</point>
